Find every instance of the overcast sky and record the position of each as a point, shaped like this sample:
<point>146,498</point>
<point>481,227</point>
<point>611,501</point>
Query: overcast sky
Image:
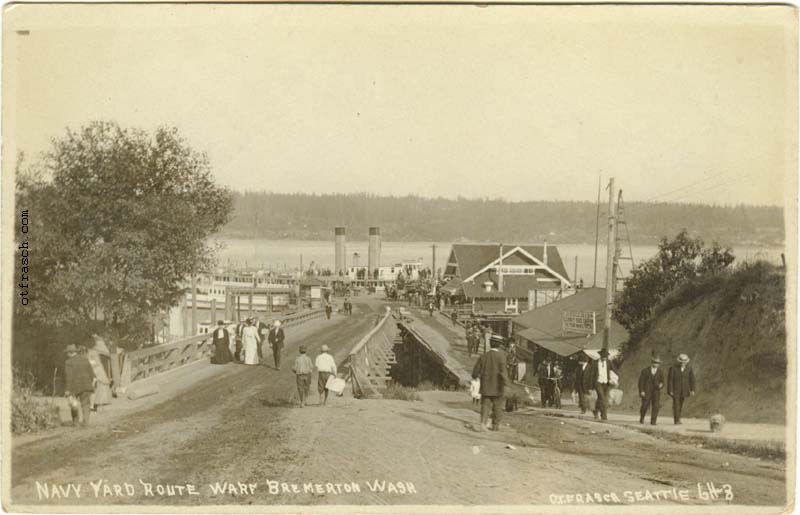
<point>688,104</point>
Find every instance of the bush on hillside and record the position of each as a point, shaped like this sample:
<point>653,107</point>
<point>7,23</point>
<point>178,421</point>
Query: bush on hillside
<point>679,260</point>
<point>29,414</point>
<point>399,392</point>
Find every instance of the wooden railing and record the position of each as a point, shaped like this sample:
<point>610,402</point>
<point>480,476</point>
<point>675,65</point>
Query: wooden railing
<point>369,353</point>
<point>149,361</point>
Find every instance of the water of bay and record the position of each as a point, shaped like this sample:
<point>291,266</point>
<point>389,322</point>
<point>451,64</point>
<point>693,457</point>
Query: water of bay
<point>282,255</point>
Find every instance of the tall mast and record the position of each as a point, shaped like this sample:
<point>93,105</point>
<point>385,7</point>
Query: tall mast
<point>596,231</point>
<point>610,263</point>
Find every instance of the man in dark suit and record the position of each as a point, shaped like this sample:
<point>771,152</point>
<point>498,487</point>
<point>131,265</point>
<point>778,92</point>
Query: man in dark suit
<point>491,369</point>
<point>263,330</point>
<point>651,381</point>
<point>600,379</point>
<point>276,338</point>
<point>545,373</point>
<point>582,385</point>
<point>680,385</point>
<point>221,340</point>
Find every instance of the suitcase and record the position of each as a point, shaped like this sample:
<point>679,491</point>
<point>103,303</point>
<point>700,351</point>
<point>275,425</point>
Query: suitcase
<point>335,385</point>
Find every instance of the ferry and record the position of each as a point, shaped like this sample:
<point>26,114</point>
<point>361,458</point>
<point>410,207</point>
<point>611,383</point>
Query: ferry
<point>282,288</point>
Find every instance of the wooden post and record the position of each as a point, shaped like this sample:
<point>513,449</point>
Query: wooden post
<point>228,305</point>
<point>116,376</point>
<point>185,319</point>
<point>596,233</point>
<point>575,277</point>
<point>610,265</point>
<point>194,306</point>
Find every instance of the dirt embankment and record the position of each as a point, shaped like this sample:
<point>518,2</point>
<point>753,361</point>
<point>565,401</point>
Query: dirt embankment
<point>733,329</point>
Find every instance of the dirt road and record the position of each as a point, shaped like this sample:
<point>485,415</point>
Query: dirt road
<point>238,439</point>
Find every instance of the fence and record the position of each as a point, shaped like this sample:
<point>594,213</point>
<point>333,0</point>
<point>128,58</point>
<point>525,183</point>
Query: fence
<point>370,354</point>
<point>149,361</point>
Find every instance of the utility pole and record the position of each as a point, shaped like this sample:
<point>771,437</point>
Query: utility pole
<point>433,271</point>
<point>596,232</point>
<point>610,263</point>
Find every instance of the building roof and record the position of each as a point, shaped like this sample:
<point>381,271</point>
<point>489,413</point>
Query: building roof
<point>471,257</point>
<point>542,326</point>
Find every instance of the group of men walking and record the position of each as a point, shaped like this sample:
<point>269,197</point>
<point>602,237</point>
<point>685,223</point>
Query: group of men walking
<point>601,375</point>
<point>680,384</point>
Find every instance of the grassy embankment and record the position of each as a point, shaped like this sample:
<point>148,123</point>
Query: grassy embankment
<point>732,326</point>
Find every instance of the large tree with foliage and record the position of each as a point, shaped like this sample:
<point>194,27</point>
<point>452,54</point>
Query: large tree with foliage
<point>119,219</point>
<point>677,260</point>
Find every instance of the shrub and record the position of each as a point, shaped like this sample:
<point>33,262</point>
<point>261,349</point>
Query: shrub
<point>403,393</point>
<point>29,414</point>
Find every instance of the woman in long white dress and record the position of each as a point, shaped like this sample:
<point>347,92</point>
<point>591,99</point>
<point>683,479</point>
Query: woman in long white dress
<point>250,343</point>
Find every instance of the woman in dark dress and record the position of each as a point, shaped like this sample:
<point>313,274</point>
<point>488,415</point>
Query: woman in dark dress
<point>222,352</point>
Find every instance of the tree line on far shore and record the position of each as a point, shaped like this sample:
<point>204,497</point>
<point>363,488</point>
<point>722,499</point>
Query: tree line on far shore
<point>413,218</point>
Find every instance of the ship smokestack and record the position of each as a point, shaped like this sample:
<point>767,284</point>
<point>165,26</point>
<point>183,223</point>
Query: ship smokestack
<point>339,256</point>
<point>374,260</point>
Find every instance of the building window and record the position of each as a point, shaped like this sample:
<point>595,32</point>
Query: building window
<point>512,305</point>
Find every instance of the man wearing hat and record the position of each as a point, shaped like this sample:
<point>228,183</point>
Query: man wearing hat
<point>680,385</point>
<point>302,369</point>
<point>276,338</point>
<point>492,371</point>
<point>600,379</point>
<point>651,381</point>
<point>582,385</point>
<point>326,367</point>
<point>78,384</point>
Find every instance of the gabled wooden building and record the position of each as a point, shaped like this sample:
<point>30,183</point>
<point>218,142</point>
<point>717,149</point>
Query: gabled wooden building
<point>507,279</point>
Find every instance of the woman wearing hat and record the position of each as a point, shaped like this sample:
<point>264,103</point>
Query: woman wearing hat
<point>680,385</point>
<point>250,342</point>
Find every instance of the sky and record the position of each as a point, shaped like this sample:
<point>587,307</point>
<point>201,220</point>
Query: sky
<point>677,103</point>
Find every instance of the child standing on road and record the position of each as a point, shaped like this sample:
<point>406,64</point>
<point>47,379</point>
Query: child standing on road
<point>302,369</point>
<point>475,391</point>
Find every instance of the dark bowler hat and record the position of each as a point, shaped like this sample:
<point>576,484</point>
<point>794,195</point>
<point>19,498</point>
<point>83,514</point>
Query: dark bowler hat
<point>302,349</point>
<point>220,322</point>
<point>583,357</point>
<point>603,353</point>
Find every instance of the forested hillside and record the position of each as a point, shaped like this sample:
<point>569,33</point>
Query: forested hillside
<point>412,218</point>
